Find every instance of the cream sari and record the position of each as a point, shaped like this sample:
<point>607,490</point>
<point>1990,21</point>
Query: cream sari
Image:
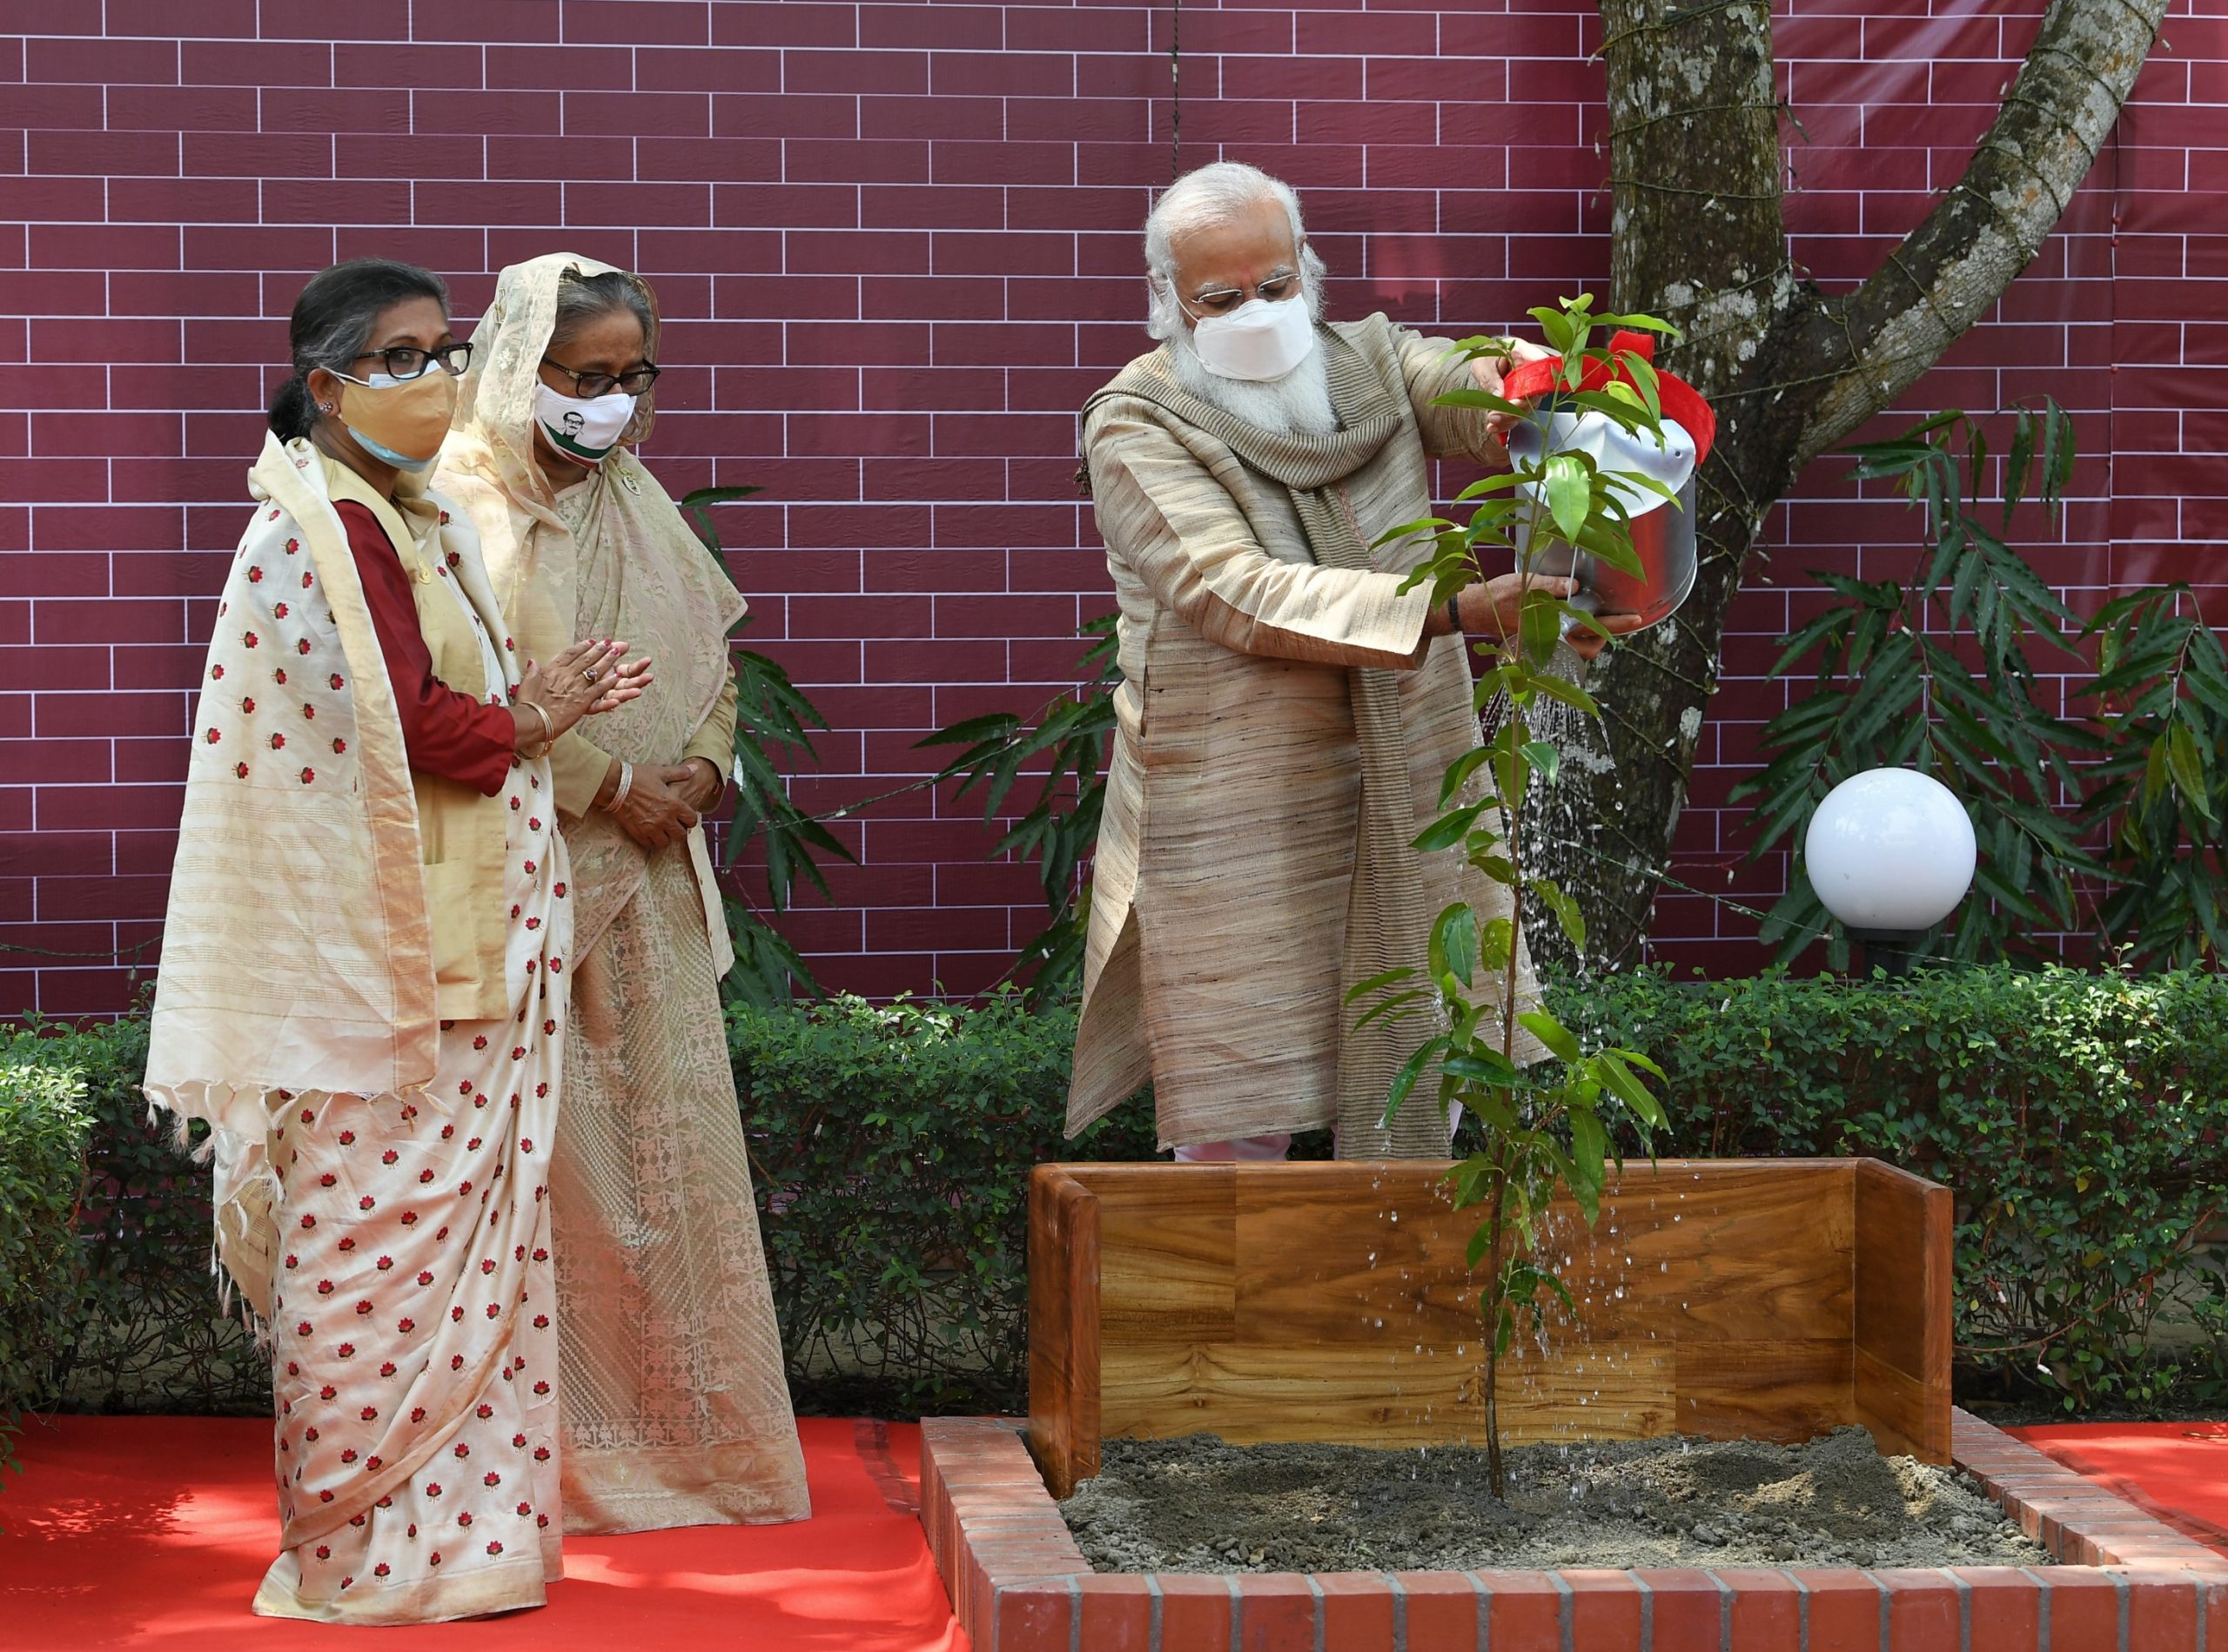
<point>676,1408</point>
<point>381,1173</point>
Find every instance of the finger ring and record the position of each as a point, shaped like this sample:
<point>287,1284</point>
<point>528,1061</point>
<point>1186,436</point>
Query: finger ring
<point>590,675</point>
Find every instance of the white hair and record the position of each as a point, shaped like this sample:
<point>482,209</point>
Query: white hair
<point>1202,197</point>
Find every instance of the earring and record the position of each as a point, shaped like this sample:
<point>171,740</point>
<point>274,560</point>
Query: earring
<point>324,406</point>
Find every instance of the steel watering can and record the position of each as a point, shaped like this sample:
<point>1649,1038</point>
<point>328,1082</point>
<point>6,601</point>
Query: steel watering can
<point>1662,533</point>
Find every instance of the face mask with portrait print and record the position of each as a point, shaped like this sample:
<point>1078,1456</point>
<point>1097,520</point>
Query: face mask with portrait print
<point>583,430</point>
<point>401,420</point>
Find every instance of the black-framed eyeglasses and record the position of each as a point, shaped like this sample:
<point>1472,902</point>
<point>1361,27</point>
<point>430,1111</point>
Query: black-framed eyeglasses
<point>406,361</point>
<point>588,386</point>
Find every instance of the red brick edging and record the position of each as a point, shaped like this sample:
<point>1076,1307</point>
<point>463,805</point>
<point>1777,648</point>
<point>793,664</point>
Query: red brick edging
<point>2127,1584</point>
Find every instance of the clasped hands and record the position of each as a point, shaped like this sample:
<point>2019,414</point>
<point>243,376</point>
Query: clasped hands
<point>663,801</point>
<point>586,680</point>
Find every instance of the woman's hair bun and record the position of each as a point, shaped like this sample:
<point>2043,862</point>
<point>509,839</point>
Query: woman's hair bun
<point>292,416</point>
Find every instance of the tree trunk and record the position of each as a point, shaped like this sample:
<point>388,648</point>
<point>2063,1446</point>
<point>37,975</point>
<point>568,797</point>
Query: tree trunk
<point>1697,237</point>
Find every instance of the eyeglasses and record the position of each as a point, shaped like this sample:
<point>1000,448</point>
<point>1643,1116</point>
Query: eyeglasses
<point>1223,300</point>
<point>407,361</point>
<point>588,385</point>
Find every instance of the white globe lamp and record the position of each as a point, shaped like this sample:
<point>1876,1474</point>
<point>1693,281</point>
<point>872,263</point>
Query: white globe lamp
<point>1891,853</point>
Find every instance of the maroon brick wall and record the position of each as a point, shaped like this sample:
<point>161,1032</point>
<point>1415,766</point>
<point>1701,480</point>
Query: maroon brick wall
<point>896,244</point>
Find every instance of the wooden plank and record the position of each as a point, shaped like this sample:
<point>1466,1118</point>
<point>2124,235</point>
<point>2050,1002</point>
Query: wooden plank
<point>1335,1253</point>
<point>1596,1389</point>
<point>1167,1256</point>
<point>1895,1407</point>
<point>1349,1394</point>
<point>1740,1253</point>
<point>1902,1321</point>
<point>1332,1302</point>
<point>1358,1395</point>
<point>1788,1392</point>
<point>1063,1337</point>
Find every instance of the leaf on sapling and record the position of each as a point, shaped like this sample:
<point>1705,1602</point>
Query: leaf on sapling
<point>1453,948</point>
<point>1484,400</point>
<point>1448,829</point>
<point>1569,489</point>
<point>1567,912</point>
<point>1560,1041</point>
<point>1539,629</point>
<point>1412,1070</point>
<point>1496,941</point>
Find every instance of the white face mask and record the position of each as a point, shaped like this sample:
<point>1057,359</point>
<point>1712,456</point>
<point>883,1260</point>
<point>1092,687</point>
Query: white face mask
<point>582,431</point>
<point>1258,341</point>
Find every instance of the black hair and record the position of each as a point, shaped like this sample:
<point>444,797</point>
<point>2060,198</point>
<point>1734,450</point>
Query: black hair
<point>333,322</point>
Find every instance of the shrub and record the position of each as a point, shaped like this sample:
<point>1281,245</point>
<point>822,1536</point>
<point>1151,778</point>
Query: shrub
<point>43,1129</point>
<point>892,1145</point>
<point>152,1336</point>
<point>2079,1117</point>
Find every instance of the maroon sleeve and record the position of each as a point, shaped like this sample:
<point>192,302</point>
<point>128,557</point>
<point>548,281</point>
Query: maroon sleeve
<point>443,732</point>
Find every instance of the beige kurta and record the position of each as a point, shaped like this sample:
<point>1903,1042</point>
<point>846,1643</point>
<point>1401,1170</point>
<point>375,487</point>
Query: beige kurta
<point>1227,852</point>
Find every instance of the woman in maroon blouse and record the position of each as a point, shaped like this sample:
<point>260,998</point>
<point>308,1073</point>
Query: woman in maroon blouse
<point>364,982</point>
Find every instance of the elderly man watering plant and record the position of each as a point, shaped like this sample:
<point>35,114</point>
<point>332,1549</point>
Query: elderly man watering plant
<point>1286,709</point>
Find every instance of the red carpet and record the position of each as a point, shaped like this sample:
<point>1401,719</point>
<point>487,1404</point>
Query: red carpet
<point>2176,1471</point>
<point>154,1531</point>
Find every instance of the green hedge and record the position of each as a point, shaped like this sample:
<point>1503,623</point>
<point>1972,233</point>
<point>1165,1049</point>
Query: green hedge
<point>2083,1120</point>
<point>2079,1117</point>
<point>44,1126</point>
<point>891,1148</point>
<point>150,1335</point>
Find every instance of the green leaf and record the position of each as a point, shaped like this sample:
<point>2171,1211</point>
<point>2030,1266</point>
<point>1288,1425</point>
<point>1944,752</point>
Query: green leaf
<point>1627,1086</point>
<point>1569,488</point>
<point>1546,757</point>
<point>1453,943</point>
<point>1471,396</point>
<point>1479,1064</point>
<point>2185,761</point>
<point>1558,1038</point>
<point>1568,693</point>
<point>1553,895</point>
<point>1560,329</point>
<point>1458,772</point>
<point>1448,829</point>
<point>1377,983</point>
<point>2015,465</point>
<point>1411,1070</point>
<point>1539,627</point>
<point>1589,1147</point>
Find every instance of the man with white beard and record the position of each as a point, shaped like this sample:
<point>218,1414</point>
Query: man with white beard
<point>1287,712</point>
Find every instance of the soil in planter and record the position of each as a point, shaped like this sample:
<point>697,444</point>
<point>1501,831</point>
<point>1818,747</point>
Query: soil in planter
<point>1200,1505</point>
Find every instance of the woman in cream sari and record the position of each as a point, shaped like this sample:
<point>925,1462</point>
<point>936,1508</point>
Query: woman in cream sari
<point>677,1410</point>
<point>362,989</point>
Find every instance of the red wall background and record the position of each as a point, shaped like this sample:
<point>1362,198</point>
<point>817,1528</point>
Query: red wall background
<point>896,245</point>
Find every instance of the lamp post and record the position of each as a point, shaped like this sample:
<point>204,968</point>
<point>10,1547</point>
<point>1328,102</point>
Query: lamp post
<point>1891,853</point>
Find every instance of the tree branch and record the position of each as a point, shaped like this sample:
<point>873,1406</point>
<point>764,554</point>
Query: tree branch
<point>2047,133</point>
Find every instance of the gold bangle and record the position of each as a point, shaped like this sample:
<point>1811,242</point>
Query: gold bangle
<point>548,728</point>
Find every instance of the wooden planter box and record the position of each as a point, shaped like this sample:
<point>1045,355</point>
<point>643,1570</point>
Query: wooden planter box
<point>1763,1298</point>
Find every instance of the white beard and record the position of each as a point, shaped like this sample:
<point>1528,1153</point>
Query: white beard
<point>1299,402</point>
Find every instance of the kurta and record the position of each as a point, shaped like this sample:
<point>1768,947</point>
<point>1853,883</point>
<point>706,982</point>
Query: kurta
<point>1227,851</point>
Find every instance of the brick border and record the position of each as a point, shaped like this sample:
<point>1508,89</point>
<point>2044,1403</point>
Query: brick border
<point>2127,1582</point>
